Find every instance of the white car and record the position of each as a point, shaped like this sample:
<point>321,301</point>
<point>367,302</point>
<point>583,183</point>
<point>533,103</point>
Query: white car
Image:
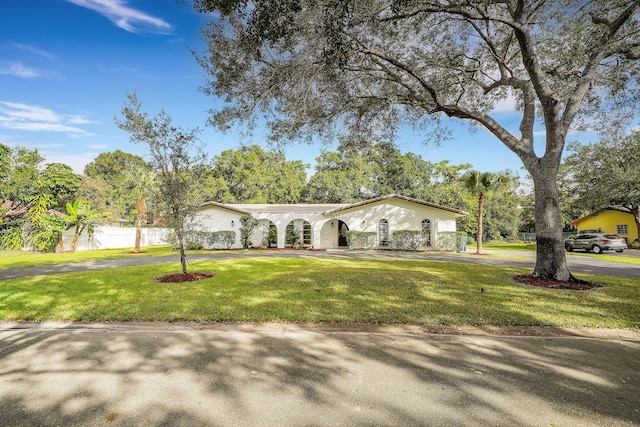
<point>596,242</point>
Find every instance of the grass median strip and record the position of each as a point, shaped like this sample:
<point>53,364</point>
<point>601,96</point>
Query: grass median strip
<point>320,290</point>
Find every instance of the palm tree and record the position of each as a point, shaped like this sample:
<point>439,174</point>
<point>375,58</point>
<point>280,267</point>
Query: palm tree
<point>80,216</point>
<point>142,182</point>
<point>482,184</point>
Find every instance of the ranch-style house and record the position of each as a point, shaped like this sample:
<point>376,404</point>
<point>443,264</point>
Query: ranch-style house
<point>326,226</point>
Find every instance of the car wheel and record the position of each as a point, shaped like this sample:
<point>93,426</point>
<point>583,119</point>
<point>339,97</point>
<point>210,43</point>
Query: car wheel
<point>568,247</point>
<point>596,249</point>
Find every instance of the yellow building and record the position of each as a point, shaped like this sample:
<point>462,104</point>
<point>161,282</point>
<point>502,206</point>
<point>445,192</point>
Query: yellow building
<point>610,221</point>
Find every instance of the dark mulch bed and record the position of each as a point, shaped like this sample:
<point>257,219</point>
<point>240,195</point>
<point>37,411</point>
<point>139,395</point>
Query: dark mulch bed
<point>179,278</point>
<point>576,285</point>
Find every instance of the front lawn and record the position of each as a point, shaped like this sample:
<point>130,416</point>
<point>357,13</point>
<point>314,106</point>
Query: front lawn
<point>20,259</point>
<point>321,290</point>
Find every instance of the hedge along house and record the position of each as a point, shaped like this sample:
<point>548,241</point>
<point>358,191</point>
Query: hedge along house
<point>325,226</point>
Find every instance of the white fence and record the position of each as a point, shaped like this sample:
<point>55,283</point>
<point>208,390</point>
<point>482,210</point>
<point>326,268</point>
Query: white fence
<point>116,237</point>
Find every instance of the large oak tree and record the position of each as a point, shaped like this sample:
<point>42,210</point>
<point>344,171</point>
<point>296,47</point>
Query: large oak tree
<point>320,67</point>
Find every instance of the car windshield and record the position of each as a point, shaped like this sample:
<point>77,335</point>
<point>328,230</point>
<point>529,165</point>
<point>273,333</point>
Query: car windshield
<point>612,236</point>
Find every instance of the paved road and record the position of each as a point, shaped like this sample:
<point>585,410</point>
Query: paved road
<point>277,375</point>
<point>578,264</point>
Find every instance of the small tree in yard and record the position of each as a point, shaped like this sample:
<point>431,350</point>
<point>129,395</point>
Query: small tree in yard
<point>81,217</point>
<point>175,160</point>
<point>482,184</point>
<point>247,225</point>
<point>141,181</point>
<point>364,68</point>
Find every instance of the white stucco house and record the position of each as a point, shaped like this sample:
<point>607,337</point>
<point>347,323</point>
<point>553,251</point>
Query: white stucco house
<point>325,226</point>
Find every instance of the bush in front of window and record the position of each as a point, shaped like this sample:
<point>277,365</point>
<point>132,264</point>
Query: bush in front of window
<point>446,241</point>
<point>222,239</point>
<point>361,239</point>
<point>409,240</point>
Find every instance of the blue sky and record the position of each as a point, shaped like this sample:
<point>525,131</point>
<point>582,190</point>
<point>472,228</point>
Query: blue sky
<point>66,65</point>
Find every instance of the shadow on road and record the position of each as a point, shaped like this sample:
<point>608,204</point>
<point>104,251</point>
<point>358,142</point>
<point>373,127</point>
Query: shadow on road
<point>304,376</point>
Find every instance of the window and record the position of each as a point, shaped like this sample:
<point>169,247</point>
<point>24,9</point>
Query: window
<point>426,228</point>
<point>306,233</point>
<point>622,229</point>
<point>383,233</point>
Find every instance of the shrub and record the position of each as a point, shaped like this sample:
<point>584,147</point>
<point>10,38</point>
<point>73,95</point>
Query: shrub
<point>11,238</point>
<point>409,240</point>
<point>247,225</point>
<point>222,239</point>
<point>361,239</point>
<point>195,240</point>
<point>446,241</point>
<point>292,237</point>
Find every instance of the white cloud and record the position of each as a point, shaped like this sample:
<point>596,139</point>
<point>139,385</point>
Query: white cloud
<point>123,16</point>
<point>38,119</point>
<point>17,69</point>
<point>78,120</point>
<point>36,51</point>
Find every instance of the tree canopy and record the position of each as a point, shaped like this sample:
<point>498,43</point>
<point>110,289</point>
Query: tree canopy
<point>364,67</point>
<point>253,175</point>
<point>606,174</point>
<point>30,189</point>
<point>115,169</point>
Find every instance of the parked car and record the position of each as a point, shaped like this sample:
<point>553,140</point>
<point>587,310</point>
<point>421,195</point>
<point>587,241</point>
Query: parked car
<point>596,242</point>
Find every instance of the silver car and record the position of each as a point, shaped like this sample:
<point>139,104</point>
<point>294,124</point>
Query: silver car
<point>596,242</point>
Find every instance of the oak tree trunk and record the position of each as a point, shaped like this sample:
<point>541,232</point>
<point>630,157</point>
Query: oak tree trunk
<point>636,216</point>
<point>551,261</point>
<point>479,235</point>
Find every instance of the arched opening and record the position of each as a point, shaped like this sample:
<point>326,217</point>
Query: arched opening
<point>426,228</point>
<point>383,233</point>
<point>268,234</point>
<point>342,234</point>
<point>298,234</point>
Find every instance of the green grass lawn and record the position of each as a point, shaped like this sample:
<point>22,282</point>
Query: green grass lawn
<point>507,246</point>
<point>19,259</point>
<point>320,290</point>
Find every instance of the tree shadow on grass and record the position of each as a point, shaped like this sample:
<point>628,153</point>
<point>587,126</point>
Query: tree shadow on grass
<point>291,375</point>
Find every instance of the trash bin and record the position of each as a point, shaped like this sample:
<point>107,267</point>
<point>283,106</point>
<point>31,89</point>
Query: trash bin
<point>461,240</point>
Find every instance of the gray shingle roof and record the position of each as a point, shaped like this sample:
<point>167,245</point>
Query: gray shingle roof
<point>326,208</point>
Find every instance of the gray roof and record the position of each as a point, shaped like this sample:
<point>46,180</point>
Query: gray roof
<point>401,197</point>
<point>324,208</point>
<point>285,208</point>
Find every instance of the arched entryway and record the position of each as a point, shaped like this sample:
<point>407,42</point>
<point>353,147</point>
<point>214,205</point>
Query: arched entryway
<point>334,234</point>
<point>342,234</point>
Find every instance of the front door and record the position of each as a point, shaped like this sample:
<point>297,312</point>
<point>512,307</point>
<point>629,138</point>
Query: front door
<point>342,234</point>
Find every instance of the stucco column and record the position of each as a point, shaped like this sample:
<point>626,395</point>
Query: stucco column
<point>282,232</point>
<point>316,238</point>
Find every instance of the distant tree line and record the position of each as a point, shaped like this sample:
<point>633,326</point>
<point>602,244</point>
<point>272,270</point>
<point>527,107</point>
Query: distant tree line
<point>119,186</point>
